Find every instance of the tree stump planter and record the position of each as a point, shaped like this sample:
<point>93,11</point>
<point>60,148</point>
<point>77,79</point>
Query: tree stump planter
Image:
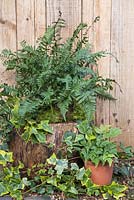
<point>30,154</point>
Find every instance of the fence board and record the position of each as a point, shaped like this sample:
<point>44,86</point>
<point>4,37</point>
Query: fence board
<point>102,42</point>
<point>25,21</point>
<point>122,45</point>
<point>7,34</point>
<point>71,13</point>
<point>88,16</point>
<point>40,18</point>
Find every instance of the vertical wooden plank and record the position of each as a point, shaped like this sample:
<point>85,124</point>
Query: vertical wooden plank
<point>25,21</point>
<point>52,11</point>
<point>71,13</point>
<point>88,16</point>
<point>102,8</point>
<point>122,45</point>
<point>40,18</point>
<point>7,34</point>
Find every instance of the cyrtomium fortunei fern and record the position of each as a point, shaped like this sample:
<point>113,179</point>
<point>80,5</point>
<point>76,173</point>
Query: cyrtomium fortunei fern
<point>55,80</point>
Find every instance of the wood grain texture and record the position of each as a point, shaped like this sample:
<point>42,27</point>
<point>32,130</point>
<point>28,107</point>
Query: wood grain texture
<point>88,17</point>
<point>102,42</point>
<point>25,21</point>
<point>7,34</point>
<point>122,45</point>
<point>71,13</point>
<point>30,154</point>
<point>40,18</point>
<point>52,9</point>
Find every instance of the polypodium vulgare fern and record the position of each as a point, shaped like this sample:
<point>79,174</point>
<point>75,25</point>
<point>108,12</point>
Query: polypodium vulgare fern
<point>58,76</point>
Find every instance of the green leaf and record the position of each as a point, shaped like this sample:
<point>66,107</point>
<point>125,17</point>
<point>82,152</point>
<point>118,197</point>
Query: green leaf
<point>52,181</point>
<point>3,189</point>
<point>61,165</point>
<point>45,126</point>
<point>62,187</point>
<point>16,194</point>
<point>41,137</point>
<point>74,166</point>
<point>52,160</point>
<point>80,174</point>
<point>79,137</point>
<point>25,181</point>
<point>113,133</point>
<point>5,157</point>
<point>83,127</point>
<point>73,190</point>
<point>41,190</point>
<point>90,137</point>
<point>26,135</point>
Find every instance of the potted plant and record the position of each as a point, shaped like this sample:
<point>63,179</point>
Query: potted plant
<point>96,149</point>
<point>55,82</point>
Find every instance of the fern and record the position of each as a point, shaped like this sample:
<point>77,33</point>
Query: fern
<point>55,78</point>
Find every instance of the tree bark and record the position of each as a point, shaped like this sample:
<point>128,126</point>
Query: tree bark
<point>31,154</point>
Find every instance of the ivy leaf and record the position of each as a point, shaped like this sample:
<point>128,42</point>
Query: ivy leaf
<point>74,166</point>
<point>25,181</point>
<point>90,137</point>
<point>5,157</point>
<point>41,190</point>
<point>79,137</point>
<point>73,190</point>
<point>3,189</point>
<point>114,132</point>
<point>26,135</point>
<point>52,160</point>
<point>61,165</point>
<point>52,180</point>
<point>16,195</point>
<point>62,187</point>
<point>41,138</point>
<point>45,126</point>
<point>80,174</point>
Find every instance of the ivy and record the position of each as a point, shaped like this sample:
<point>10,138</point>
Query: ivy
<point>55,175</point>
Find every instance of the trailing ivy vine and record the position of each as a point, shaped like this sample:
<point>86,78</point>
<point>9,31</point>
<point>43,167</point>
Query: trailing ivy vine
<point>55,175</point>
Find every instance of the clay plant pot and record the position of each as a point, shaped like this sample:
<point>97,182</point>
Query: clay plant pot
<point>101,174</point>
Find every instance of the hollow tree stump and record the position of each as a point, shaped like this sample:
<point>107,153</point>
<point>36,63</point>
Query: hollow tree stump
<point>30,154</point>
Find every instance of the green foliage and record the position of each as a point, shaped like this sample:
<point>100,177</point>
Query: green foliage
<point>115,190</point>
<point>93,143</point>
<point>5,157</point>
<point>10,180</point>
<point>56,175</point>
<point>65,177</point>
<point>55,82</point>
<point>125,151</point>
<point>36,132</point>
<point>56,78</point>
<point>6,100</point>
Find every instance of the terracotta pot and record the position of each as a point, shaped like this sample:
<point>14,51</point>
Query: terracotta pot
<point>101,174</point>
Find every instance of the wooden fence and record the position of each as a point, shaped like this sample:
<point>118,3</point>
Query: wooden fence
<point>27,19</point>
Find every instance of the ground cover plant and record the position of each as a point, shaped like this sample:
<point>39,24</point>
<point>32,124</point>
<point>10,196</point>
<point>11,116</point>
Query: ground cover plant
<point>56,175</point>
